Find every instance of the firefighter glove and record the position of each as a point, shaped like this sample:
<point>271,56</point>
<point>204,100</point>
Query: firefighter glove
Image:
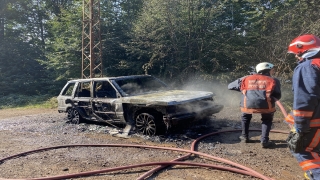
<point>295,142</point>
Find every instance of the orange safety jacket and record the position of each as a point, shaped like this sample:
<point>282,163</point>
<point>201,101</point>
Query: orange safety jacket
<point>305,115</point>
<point>257,90</point>
<point>313,122</point>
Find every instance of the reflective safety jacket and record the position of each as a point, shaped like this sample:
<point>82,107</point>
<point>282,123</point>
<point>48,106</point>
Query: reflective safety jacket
<point>258,93</point>
<point>305,115</point>
<point>306,90</point>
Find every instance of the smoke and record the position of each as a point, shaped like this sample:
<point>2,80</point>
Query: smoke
<point>223,96</point>
<point>231,98</point>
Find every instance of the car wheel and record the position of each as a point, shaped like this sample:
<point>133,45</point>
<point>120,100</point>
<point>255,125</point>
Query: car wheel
<point>76,117</point>
<point>70,114</point>
<point>149,124</point>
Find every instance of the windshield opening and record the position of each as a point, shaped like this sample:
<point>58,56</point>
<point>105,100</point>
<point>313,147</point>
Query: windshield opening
<point>140,85</point>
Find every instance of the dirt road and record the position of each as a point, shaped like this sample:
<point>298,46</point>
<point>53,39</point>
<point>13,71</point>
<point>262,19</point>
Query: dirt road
<point>25,130</point>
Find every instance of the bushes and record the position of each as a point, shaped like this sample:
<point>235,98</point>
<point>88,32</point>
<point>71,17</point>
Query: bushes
<point>18,100</point>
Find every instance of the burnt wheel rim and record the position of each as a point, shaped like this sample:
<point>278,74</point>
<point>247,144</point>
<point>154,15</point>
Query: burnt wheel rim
<point>145,124</point>
<point>76,117</point>
<point>70,114</point>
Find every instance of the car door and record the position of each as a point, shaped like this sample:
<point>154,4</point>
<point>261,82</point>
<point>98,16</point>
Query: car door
<point>83,95</point>
<point>105,100</point>
<point>66,93</point>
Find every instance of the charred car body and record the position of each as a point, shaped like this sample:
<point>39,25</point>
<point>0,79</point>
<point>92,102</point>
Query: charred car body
<point>142,102</point>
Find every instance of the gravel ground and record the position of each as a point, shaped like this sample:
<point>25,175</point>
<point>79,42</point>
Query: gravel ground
<point>25,130</point>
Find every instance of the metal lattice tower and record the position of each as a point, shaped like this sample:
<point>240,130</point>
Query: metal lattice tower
<point>91,40</point>
<point>1,28</point>
<point>2,19</point>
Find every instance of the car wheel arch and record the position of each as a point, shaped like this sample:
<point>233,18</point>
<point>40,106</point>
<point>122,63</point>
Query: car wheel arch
<point>75,115</point>
<point>157,124</point>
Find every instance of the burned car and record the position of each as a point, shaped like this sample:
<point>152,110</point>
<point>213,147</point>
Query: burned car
<point>141,102</point>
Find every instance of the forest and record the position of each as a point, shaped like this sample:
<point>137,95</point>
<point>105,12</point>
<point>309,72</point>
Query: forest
<point>174,40</point>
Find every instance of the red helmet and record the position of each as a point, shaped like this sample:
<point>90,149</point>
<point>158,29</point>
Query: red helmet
<point>304,43</point>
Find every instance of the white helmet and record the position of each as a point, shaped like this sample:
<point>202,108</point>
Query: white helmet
<point>263,66</point>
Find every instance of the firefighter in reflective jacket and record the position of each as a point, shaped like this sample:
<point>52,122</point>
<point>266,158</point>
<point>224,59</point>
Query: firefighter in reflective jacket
<point>304,138</point>
<point>258,93</point>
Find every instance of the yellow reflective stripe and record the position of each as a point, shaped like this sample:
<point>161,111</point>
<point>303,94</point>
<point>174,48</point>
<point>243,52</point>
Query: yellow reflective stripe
<point>302,113</point>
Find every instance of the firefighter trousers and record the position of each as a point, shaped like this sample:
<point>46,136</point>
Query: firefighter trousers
<point>265,125</point>
<point>306,159</point>
<point>309,159</point>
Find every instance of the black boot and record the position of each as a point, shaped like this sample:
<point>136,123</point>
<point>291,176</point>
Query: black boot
<point>244,139</point>
<point>266,144</point>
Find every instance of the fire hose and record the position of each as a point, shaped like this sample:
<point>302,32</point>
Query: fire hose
<point>143,176</point>
<point>240,168</point>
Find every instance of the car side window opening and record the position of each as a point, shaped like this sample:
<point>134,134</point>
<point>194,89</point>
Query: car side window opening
<point>83,89</point>
<point>104,89</point>
<point>68,90</point>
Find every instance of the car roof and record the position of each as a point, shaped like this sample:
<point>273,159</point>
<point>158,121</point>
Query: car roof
<point>108,78</point>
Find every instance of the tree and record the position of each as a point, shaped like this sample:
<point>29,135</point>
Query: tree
<point>183,38</point>
<point>117,19</point>
<point>19,51</point>
<point>64,43</point>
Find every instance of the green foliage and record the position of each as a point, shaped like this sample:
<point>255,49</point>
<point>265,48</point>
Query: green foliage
<point>116,27</point>
<point>176,40</point>
<point>19,101</point>
<point>63,58</point>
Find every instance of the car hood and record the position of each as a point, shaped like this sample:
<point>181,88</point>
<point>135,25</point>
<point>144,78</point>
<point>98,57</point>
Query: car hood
<point>172,97</point>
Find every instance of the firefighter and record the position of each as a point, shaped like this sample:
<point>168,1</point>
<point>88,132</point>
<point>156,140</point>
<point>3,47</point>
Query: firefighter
<point>303,140</point>
<point>258,92</point>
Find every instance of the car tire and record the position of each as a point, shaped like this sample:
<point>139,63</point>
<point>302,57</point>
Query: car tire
<point>149,124</point>
<point>76,117</point>
<point>70,114</point>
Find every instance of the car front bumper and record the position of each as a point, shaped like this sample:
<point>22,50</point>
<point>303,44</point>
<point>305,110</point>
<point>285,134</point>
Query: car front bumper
<point>197,113</point>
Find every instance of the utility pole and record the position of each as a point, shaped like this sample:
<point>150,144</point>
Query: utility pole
<point>1,28</point>
<point>3,6</point>
<point>91,40</point>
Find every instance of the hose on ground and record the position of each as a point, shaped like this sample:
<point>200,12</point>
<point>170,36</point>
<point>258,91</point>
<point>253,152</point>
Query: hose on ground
<point>193,145</point>
<point>248,171</point>
<point>243,170</point>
